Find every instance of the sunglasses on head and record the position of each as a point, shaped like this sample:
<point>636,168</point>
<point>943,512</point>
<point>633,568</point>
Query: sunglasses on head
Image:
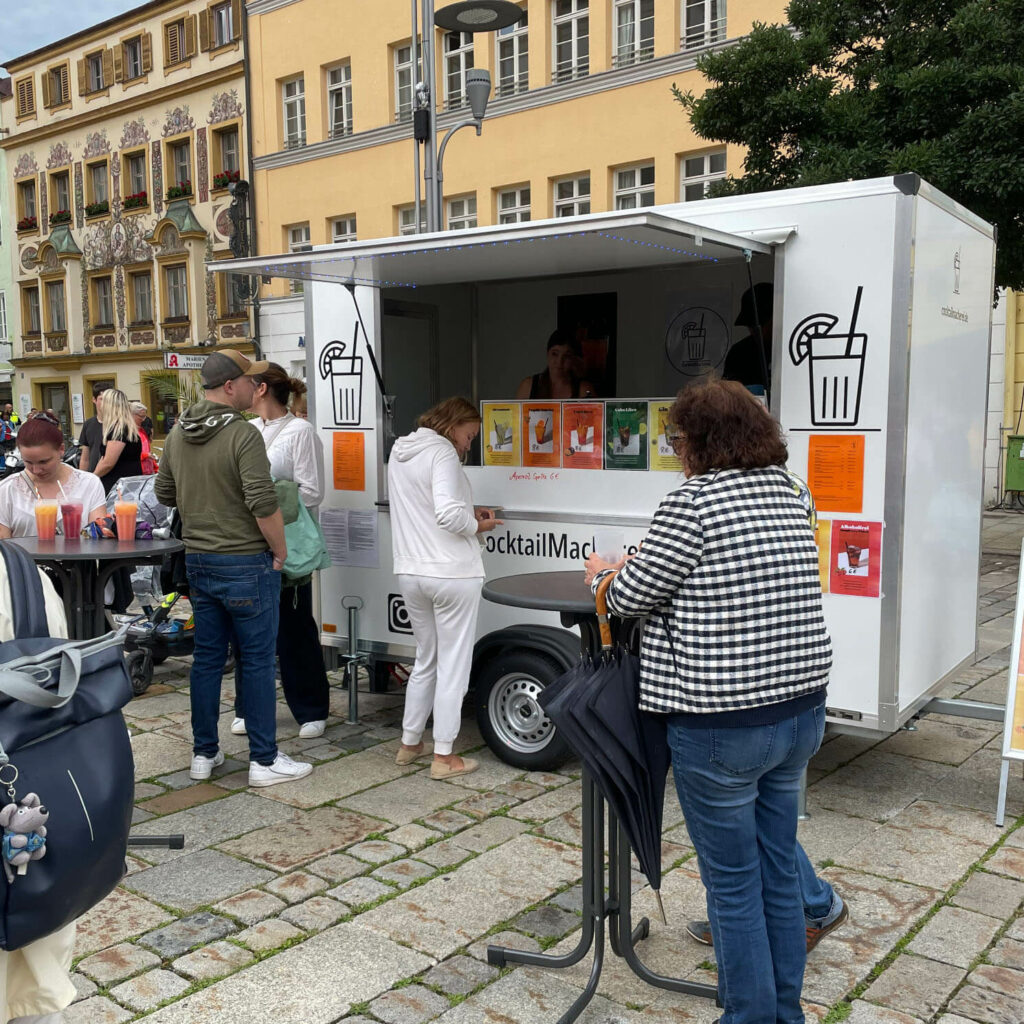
<point>47,417</point>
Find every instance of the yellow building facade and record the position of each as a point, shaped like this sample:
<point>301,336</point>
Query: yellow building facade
<point>124,139</point>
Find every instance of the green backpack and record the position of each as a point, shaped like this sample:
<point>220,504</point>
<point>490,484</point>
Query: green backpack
<point>307,549</point>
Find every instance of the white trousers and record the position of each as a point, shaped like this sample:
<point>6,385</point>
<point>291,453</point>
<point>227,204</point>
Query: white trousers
<point>443,614</point>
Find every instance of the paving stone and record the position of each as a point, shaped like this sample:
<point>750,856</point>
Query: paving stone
<point>297,886</point>
<point>376,851</point>
<point>303,985</point>
<point>448,820</point>
<point>144,790</point>
<point>183,799</point>
<point>445,854</point>
<point>488,834</point>
<point>915,985</point>
<point>938,741</point>
<point>412,837</point>
<point>183,935</point>
<point>1007,861</point>
<point>955,936</point>
<point>361,741</point>
<point>84,987</point>
<point>403,872</point>
<point>150,706</point>
<point>547,922</point>
<point>982,1004</point>
<point>990,894</point>
<point>213,961</point>
<point>194,881</point>
<point>268,934</point>
<point>252,906</point>
<point>97,1010</point>
<point>315,914</point>
<point>439,917</point>
<point>336,868</point>
<point>571,899</point>
<point>122,915</point>
<point>566,828</point>
<point>149,990</point>
<point>491,774</point>
<point>413,1004</point>
<point>548,780</point>
<point>139,815</point>
<point>519,789</point>
<point>482,805</point>
<point>117,963</point>
<point>868,1013</point>
<point>324,752</point>
<point>358,891</point>
<point>1007,953</point>
<point>550,805</point>
<point>507,938</point>
<point>459,975</point>
<point>404,800</point>
<point>157,754</point>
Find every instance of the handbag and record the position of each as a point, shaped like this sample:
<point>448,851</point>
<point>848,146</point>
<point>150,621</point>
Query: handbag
<point>307,548</point>
<point>62,737</point>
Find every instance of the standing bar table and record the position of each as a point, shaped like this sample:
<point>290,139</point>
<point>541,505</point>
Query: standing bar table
<point>84,567</point>
<point>567,594</point>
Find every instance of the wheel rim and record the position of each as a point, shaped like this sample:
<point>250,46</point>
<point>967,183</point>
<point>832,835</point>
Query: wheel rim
<point>516,716</point>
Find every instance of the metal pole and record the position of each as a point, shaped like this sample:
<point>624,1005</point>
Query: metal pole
<point>352,604</point>
<point>429,78</point>
<point>472,123</point>
<point>414,52</point>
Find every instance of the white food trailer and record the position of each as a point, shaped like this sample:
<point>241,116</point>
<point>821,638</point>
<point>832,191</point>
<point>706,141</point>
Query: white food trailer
<point>882,293</point>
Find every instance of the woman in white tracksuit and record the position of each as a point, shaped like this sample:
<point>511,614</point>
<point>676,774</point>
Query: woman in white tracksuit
<point>434,533</point>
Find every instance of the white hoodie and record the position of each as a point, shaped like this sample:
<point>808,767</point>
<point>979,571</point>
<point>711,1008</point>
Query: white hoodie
<point>433,528</point>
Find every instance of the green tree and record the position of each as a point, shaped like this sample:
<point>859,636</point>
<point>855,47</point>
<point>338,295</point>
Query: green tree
<point>859,89</point>
<point>172,385</point>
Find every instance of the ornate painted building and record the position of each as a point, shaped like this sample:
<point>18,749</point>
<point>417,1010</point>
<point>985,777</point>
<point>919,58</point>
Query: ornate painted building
<point>124,140</point>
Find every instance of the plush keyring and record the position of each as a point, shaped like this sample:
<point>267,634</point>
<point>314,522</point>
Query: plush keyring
<point>24,839</point>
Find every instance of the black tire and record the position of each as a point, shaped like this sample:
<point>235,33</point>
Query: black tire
<point>511,721</point>
<point>140,670</point>
<point>159,659</point>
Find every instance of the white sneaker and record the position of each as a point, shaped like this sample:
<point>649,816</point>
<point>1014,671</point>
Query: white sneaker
<point>238,726</point>
<point>284,769</point>
<point>202,767</point>
<point>311,730</point>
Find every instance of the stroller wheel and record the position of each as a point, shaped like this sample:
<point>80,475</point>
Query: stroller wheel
<point>140,670</point>
<point>159,659</point>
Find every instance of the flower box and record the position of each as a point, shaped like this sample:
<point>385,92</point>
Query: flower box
<point>180,191</point>
<point>28,224</point>
<point>137,199</point>
<point>225,178</point>
<point>60,217</point>
<point>96,209</point>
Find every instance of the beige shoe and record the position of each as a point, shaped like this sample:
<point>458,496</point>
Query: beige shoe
<point>408,756</point>
<point>442,770</point>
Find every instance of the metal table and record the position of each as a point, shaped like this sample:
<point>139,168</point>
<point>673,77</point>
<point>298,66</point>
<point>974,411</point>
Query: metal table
<point>566,593</point>
<point>84,567</point>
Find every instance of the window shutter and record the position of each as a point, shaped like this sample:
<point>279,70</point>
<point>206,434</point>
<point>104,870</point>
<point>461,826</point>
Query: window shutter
<point>190,36</point>
<point>46,89</point>
<point>26,97</point>
<point>204,29</point>
<point>170,45</point>
<point>236,19</point>
<point>83,77</point>
<point>116,63</point>
<point>108,66</point>
<point>65,84</point>
<point>147,52</point>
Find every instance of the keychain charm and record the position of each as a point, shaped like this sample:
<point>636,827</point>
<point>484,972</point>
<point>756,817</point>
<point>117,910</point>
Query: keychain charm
<point>24,825</point>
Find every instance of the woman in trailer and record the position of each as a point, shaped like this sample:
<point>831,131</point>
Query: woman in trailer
<point>435,538</point>
<point>559,379</point>
<point>735,652</point>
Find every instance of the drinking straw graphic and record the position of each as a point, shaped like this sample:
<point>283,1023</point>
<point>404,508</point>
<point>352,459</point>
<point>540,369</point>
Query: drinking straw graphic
<point>853,321</point>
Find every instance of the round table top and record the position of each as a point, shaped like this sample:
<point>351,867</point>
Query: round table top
<point>546,591</point>
<point>61,549</point>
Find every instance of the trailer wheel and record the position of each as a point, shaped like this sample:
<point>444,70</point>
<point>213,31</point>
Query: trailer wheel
<point>511,721</point>
<point>140,671</point>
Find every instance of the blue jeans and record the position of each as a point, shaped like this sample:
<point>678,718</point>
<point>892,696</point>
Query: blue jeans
<point>738,789</point>
<point>816,894</point>
<point>234,595</point>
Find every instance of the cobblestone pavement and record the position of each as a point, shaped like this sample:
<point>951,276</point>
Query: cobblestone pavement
<point>369,892</point>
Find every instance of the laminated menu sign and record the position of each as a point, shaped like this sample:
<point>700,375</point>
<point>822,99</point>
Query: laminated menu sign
<point>582,431</point>
<point>663,456</point>
<point>835,472</point>
<point>625,435</point>
<point>855,561</point>
<point>501,434</point>
<point>542,434</point>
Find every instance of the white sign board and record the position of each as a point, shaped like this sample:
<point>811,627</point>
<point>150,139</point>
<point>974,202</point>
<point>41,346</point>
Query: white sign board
<point>1013,720</point>
<point>181,361</point>
<point>25,402</point>
<point>77,408</point>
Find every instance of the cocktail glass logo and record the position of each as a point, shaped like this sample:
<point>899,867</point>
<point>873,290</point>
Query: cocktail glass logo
<point>345,373</point>
<point>835,361</point>
<point>956,272</point>
<point>696,341</point>
<point>398,615</point>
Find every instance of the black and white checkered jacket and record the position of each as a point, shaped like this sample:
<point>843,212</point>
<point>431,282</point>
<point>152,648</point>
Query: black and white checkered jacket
<point>731,568</point>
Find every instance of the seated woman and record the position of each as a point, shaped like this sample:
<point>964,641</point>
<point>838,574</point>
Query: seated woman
<point>735,653</point>
<point>559,380</point>
<point>46,476</point>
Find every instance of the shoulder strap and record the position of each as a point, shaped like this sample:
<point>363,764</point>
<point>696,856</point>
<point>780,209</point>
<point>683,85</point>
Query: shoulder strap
<point>27,602</point>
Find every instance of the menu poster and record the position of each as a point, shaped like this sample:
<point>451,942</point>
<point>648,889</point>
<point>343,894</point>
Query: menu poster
<point>625,437</point>
<point>1015,702</point>
<point>855,563</point>
<point>349,461</point>
<point>582,434</point>
<point>501,434</point>
<point>835,472</point>
<point>542,434</point>
<point>663,456</point>
<point>823,538</point>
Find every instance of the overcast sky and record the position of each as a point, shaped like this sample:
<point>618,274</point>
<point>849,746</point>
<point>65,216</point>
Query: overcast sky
<point>26,25</point>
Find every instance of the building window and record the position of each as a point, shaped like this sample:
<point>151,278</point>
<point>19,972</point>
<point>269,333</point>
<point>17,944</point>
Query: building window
<point>26,201</point>
<point>33,323</point>
<point>233,302</point>
<point>458,59</point>
<point>223,27</point>
<point>407,219</point>
<point>339,101</point>
<point>571,39</point>
<point>103,306</point>
<point>97,200</point>
<point>634,31</point>
<point>572,196</point>
<point>176,282</point>
<point>61,194</point>
<point>226,156</point>
<point>698,173</point>
<point>514,205</point>
<point>25,93</point>
<point>94,72</point>
<point>131,51</point>
<point>298,241</point>
<point>634,187</point>
<point>404,80</point>
<point>513,44</point>
<point>55,305</point>
<point>141,287</point>
<point>462,213</point>
<point>3,316</point>
<point>56,87</point>
<point>179,42</point>
<point>293,101</point>
<point>703,23</point>
<point>135,180</point>
<point>343,229</point>
<point>180,166</point>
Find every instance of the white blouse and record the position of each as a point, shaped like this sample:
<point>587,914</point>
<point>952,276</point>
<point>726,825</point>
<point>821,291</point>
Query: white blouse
<point>295,453</point>
<point>18,500</point>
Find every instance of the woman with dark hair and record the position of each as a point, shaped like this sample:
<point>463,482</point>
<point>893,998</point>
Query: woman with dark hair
<point>559,379</point>
<point>46,477</point>
<point>435,540</point>
<point>736,655</point>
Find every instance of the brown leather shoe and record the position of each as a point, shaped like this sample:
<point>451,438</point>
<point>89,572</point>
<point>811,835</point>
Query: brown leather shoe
<point>701,930</point>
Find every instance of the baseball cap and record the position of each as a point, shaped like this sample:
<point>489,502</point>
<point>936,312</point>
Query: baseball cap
<point>220,367</point>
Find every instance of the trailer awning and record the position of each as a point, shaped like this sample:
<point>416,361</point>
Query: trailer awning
<point>626,240</point>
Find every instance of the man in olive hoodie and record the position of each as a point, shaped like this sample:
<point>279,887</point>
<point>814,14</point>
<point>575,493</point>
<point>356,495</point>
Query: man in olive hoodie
<point>214,470</point>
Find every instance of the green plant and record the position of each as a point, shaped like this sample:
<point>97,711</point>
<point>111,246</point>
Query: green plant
<point>136,200</point>
<point>95,209</point>
<point>225,178</point>
<point>179,191</point>
<point>174,386</point>
<point>60,217</point>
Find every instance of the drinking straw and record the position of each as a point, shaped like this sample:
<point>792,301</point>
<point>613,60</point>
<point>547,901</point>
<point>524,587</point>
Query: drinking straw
<point>853,321</point>
<point>60,487</point>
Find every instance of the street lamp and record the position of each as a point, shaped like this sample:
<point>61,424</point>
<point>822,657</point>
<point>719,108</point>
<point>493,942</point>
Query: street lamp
<point>469,16</point>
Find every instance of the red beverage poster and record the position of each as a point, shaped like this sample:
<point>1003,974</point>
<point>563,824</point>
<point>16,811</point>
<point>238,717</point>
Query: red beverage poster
<point>542,434</point>
<point>855,564</point>
<point>582,436</point>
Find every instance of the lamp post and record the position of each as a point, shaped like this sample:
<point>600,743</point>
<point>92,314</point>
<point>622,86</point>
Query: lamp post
<point>471,16</point>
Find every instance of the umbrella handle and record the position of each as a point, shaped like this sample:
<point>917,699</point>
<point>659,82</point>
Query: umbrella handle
<point>601,601</point>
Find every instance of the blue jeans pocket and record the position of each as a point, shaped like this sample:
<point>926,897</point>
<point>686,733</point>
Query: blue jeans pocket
<point>239,594</point>
<point>742,751</point>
